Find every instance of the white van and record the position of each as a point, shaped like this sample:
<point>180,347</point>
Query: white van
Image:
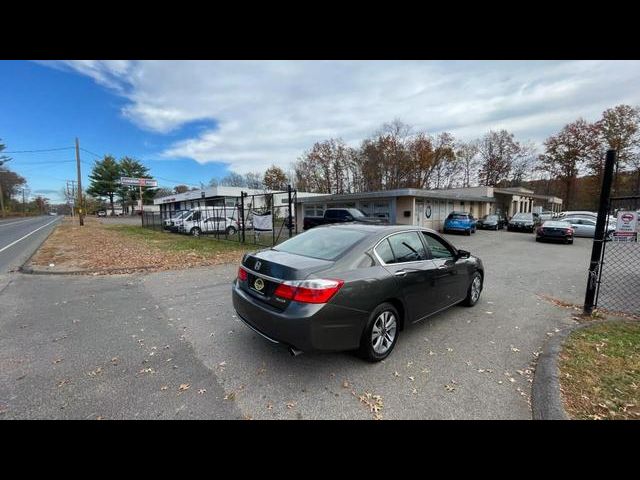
<point>201,220</point>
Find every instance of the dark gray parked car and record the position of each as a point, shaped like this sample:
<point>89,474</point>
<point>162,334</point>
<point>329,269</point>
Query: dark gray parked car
<point>350,286</point>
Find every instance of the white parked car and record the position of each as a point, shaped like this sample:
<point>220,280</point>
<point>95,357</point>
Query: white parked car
<point>586,227</point>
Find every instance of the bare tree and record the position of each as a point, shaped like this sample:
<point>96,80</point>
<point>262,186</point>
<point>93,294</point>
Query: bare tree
<point>467,153</point>
<point>497,152</point>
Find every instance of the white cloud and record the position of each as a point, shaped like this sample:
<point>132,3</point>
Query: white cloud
<point>271,111</point>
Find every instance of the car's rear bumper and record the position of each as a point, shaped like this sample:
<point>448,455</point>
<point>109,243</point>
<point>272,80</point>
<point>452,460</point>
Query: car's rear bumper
<point>521,228</point>
<point>306,327</point>
<point>458,228</point>
<point>556,238</point>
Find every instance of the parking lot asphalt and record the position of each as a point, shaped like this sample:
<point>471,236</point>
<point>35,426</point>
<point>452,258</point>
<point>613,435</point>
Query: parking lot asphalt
<point>465,363</point>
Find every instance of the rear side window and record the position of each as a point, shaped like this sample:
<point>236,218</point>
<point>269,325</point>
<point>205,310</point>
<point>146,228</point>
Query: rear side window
<point>407,247</point>
<point>322,243</point>
<point>384,252</point>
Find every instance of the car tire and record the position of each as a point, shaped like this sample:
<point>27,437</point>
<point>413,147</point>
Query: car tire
<point>537,239</point>
<point>472,295</point>
<point>468,232</point>
<point>372,348</point>
<point>231,231</point>
<point>195,232</point>
<point>571,242</point>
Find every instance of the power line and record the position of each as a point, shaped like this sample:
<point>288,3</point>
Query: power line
<point>89,151</point>
<point>26,164</point>
<point>39,151</point>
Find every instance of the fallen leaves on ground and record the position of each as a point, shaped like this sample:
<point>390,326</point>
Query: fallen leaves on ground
<point>184,386</point>
<point>374,403</point>
<point>97,247</point>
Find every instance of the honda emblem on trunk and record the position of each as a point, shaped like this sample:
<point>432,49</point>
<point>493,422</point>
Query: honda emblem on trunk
<point>258,265</point>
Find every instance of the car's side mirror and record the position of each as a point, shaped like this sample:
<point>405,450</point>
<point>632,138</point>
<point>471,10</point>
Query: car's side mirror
<point>463,254</point>
<point>349,218</point>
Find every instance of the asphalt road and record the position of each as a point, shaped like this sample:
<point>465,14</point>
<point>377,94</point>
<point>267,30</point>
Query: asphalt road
<point>20,237</point>
<point>59,335</point>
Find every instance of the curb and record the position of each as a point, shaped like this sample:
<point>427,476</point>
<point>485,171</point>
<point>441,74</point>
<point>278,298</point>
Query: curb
<point>546,398</point>
<point>32,271</point>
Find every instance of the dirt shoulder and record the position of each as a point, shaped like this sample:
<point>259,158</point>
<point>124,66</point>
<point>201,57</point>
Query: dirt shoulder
<point>98,247</point>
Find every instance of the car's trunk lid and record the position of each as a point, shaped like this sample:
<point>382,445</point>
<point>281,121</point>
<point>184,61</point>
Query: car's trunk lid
<point>268,268</point>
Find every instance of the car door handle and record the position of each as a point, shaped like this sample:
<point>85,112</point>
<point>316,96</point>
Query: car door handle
<point>400,273</point>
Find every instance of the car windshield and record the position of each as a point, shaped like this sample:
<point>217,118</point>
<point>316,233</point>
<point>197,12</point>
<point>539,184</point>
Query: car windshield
<point>356,212</point>
<point>490,218</point>
<point>322,243</point>
<point>522,216</point>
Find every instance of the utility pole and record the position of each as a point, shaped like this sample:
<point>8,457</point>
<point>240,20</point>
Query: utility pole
<point>3,160</point>
<point>24,210</point>
<point>80,206</point>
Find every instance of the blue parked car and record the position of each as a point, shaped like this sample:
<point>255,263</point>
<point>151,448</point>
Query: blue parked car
<point>460,222</point>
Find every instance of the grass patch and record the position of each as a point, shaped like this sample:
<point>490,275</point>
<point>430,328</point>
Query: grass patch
<point>180,243</point>
<point>600,371</point>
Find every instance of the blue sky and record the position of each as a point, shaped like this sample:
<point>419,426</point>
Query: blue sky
<point>45,108</point>
<point>189,121</point>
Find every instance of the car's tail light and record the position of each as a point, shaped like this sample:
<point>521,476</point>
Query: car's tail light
<point>309,291</point>
<point>540,231</point>
<point>569,231</point>
<point>242,274</point>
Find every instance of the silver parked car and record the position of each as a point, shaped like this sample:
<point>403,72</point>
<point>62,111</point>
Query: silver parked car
<point>585,227</point>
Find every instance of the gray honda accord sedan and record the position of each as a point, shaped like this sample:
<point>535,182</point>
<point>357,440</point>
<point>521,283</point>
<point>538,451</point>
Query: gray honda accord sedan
<point>352,286</point>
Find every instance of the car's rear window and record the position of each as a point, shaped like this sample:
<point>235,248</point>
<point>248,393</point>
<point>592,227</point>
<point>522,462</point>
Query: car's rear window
<point>458,216</point>
<point>322,243</point>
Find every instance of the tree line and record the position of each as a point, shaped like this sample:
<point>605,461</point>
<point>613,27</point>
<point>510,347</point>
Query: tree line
<point>398,156</point>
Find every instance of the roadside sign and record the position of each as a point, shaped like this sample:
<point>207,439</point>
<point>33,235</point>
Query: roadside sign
<point>627,224</point>
<point>138,182</point>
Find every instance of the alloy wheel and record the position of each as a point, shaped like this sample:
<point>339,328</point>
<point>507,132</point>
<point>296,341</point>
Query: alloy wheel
<point>475,289</point>
<point>383,333</point>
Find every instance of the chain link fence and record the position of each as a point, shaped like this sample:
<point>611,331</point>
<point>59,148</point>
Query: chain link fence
<point>262,220</point>
<point>619,281</point>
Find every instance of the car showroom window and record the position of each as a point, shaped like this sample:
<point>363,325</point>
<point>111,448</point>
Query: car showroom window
<point>384,252</point>
<point>438,249</point>
<point>407,247</point>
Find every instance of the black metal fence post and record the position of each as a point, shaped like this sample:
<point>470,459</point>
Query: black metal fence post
<point>243,220</point>
<point>290,219</point>
<point>599,237</point>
